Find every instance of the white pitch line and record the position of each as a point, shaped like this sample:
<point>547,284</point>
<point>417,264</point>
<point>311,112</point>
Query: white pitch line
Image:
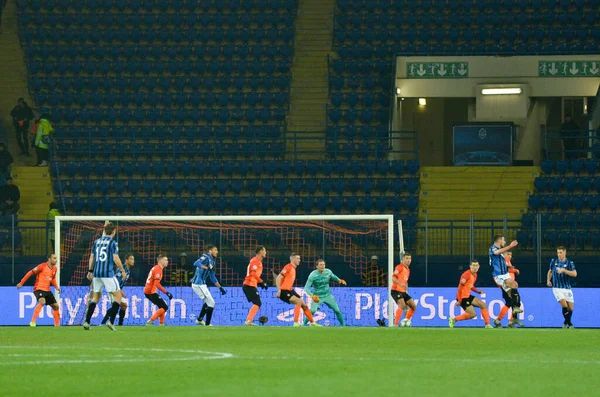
<point>193,355</point>
<point>427,359</point>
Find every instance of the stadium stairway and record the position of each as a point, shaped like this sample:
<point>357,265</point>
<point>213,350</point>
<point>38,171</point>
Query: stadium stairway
<point>13,76</point>
<point>309,89</point>
<point>36,195</point>
<point>453,193</point>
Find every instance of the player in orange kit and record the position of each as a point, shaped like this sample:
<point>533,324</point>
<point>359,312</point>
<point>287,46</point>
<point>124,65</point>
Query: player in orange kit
<point>285,289</point>
<point>400,287</point>
<point>253,280</point>
<point>45,275</point>
<point>514,319</point>
<point>152,283</point>
<point>466,300</point>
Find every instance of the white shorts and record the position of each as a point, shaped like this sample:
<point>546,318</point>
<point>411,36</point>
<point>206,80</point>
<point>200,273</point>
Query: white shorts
<point>203,293</point>
<point>109,283</point>
<point>501,281</point>
<point>563,293</point>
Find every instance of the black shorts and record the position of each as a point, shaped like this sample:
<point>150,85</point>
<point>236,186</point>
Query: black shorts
<point>466,302</point>
<point>157,300</point>
<point>252,294</point>
<point>397,295</point>
<point>50,299</point>
<point>286,295</point>
<point>507,298</point>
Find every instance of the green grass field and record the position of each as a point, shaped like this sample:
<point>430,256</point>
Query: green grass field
<point>271,361</point>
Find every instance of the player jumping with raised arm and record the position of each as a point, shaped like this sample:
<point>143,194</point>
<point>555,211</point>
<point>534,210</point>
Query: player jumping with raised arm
<point>500,271</point>
<point>129,263</point>
<point>559,278</point>
<point>205,266</point>
<point>252,281</point>
<point>317,287</point>
<point>45,275</point>
<point>101,272</point>
<point>466,300</point>
<point>507,300</point>
<point>152,283</point>
<point>285,288</point>
<point>400,287</point>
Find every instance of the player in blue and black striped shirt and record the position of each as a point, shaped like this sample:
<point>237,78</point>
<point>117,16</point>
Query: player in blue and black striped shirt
<point>559,278</point>
<point>103,258</point>
<point>205,270</point>
<point>500,271</point>
<point>129,263</point>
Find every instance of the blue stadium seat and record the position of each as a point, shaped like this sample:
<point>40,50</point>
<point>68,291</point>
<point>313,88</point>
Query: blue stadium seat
<point>267,186</point>
<point>570,184</point>
<point>547,166</point>
<point>562,166</point>
<point>540,184</point>
<point>555,184</point>
<point>593,201</point>
<point>591,165</point>
<point>576,166</point>
<point>584,183</point>
<point>564,202</point>
<point>534,202</point>
<point>549,202</point>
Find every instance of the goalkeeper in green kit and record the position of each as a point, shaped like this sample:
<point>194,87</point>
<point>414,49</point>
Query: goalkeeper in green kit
<point>317,287</point>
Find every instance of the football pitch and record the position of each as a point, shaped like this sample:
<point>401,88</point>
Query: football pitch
<point>279,361</point>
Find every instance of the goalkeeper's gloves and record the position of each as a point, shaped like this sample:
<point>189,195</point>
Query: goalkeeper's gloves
<point>343,282</point>
<point>264,285</point>
<point>315,299</point>
<point>223,292</point>
<point>169,295</point>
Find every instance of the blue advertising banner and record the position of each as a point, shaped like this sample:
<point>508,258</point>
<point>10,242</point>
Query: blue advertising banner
<point>360,306</point>
<point>482,144</point>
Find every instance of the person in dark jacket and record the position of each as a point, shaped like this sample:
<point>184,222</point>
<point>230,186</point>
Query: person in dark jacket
<point>9,198</point>
<point>22,115</point>
<point>6,160</point>
<point>570,134</point>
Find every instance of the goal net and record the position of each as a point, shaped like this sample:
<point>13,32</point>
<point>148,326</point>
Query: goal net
<point>346,242</point>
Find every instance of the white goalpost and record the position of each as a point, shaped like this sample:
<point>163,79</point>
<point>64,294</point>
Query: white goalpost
<point>349,230</point>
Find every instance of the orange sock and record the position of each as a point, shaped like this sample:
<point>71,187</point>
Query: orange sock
<point>56,315</point>
<point>503,312</point>
<point>296,313</point>
<point>156,315</point>
<point>398,316</point>
<point>252,313</point>
<point>409,314</point>
<point>486,316</point>
<point>307,313</point>
<point>464,316</point>
<point>36,313</point>
<point>162,318</point>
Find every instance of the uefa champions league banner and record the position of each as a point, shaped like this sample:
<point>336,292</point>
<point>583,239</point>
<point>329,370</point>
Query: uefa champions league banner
<point>360,307</point>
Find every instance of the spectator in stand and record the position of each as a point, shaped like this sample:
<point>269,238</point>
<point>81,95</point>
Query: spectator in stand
<point>570,134</point>
<point>53,212</point>
<point>9,198</point>
<point>33,131</point>
<point>2,4</point>
<point>22,115</point>
<point>373,275</point>
<point>6,160</point>
<point>42,140</point>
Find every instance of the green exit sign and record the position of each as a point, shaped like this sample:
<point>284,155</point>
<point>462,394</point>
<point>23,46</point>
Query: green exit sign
<point>569,68</point>
<point>437,70</point>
